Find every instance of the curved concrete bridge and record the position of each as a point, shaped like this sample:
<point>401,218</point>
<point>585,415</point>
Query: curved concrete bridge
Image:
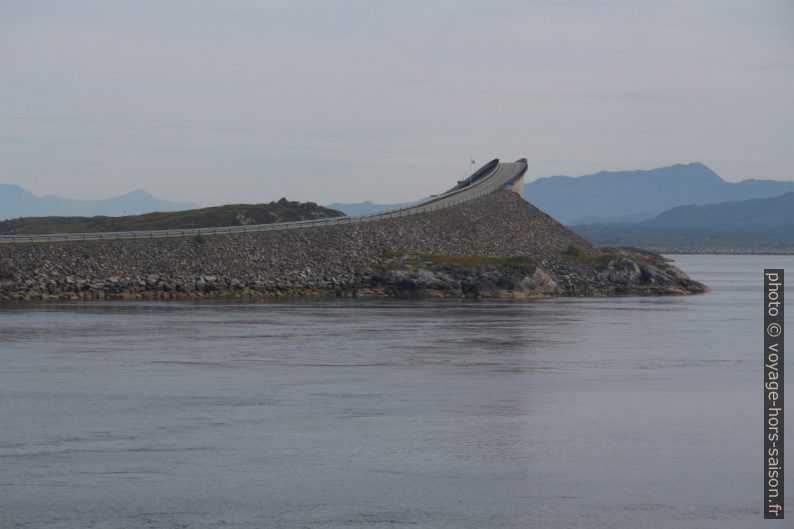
<point>493,176</point>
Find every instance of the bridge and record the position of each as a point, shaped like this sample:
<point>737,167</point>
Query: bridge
<point>491,177</point>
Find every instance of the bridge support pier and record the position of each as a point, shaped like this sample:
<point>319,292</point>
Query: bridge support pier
<point>518,186</point>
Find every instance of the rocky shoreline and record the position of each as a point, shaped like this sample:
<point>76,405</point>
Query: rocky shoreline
<point>497,246</point>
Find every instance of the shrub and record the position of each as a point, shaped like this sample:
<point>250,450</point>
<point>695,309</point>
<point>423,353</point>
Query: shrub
<point>572,250</point>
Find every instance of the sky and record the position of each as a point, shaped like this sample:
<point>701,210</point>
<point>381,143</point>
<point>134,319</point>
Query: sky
<point>228,101</point>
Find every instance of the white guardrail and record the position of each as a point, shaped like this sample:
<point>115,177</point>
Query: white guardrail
<point>477,185</point>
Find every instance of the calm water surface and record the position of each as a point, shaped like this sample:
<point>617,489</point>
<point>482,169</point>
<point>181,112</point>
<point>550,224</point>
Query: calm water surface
<point>567,413</point>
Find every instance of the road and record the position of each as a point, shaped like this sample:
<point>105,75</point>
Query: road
<point>491,177</point>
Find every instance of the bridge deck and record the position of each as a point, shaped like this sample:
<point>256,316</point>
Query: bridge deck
<point>491,177</point>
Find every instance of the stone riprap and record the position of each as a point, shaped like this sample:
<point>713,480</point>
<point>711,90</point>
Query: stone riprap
<point>411,256</point>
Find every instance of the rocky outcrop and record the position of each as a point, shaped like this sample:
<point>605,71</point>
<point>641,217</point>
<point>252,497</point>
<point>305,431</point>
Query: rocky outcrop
<point>496,245</point>
<point>412,275</point>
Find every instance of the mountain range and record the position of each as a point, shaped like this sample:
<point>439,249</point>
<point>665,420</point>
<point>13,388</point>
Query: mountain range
<point>683,205</point>
<point>640,195</point>
<point>15,201</point>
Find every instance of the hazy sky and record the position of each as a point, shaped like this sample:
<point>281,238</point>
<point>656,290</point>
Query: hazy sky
<point>219,101</point>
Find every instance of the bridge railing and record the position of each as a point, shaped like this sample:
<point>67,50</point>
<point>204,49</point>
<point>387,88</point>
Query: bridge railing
<point>451,198</point>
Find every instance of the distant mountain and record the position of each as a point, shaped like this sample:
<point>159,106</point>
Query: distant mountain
<point>363,208</point>
<point>743,215</point>
<point>612,195</point>
<point>761,224</point>
<point>621,219</point>
<point>218,216</point>
<point>15,201</point>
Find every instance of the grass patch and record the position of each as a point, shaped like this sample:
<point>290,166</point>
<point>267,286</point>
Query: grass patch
<point>572,251</point>
<point>602,260</point>
<point>398,261</point>
<point>596,261</point>
<point>199,238</point>
<point>476,261</point>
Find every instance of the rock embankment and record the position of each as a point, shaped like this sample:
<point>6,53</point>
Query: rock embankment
<point>514,250</point>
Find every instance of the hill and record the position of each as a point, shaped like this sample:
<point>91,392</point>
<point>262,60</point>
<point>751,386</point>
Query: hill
<point>755,225</point>
<point>230,215</point>
<point>607,196</point>
<point>16,201</point>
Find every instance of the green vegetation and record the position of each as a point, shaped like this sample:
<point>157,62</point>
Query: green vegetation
<point>604,258</point>
<point>468,261</point>
<point>572,250</point>
<point>199,238</point>
<point>400,260</point>
<point>220,216</point>
<point>597,261</point>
